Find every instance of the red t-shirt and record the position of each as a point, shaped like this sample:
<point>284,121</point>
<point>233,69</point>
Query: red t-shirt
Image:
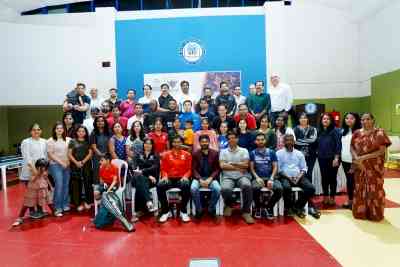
<point>122,120</point>
<point>250,120</point>
<point>176,164</point>
<point>107,174</point>
<point>160,141</point>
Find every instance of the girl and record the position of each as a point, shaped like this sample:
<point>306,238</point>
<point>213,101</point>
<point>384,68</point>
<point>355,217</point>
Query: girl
<point>328,151</point>
<point>222,135</point>
<point>68,122</point>
<point>117,142</point>
<point>147,98</point>
<point>57,149</point>
<point>205,130</point>
<point>280,131</point>
<point>159,137</point>
<point>246,138</point>
<point>80,155</point>
<point>269,133</point>
<point>351,123</point>
<point>37,194</point>
<point>99,143</point>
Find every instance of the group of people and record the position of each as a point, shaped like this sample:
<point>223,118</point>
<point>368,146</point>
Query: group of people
<point>220,143</point>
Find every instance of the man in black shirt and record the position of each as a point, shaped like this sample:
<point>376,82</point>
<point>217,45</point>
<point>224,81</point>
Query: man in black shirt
<point>164,98</point>
<point>113,101</point>
<point>226,98</point>
<point>77,103</point>
<point>170,115</point>
<point>205,111</point>
<point>222,116</point>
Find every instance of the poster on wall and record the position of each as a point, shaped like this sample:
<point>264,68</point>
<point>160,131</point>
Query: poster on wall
<point>197,81</point>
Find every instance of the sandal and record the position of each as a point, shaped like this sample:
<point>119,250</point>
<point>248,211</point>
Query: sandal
<point>17,222</point>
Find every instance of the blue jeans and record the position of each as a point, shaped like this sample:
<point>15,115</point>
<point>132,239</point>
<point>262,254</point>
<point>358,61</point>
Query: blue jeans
<point>215,194</point>
<point>61,178</point>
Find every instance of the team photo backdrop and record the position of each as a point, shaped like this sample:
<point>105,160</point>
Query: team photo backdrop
<point>149,50</point>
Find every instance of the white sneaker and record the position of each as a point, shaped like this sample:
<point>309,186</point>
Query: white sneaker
<point>185,217</point>
<point>163,218</point>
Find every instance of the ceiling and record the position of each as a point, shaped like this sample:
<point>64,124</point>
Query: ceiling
<point>358,9</point>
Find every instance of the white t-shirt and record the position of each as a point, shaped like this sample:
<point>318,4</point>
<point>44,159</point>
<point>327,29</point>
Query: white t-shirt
<point>240,99</point>
<point>88,123</point>
<point>32,150</point>
<point>346,143</point>
<point>94,103</point>
<point>281,97</point>
<point>180,98</point>
<point>132,120</point>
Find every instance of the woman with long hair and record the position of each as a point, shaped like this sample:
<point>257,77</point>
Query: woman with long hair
<point>134,143</point>
<point>57,150</point>
<point>351,123</point>
<point>280,131</point>
<point>368,146</point>
<point>246,138</point>
<point>159,137</point>
<point>99,139</point>
<point>117,142</point>
<point>68,122</point>
<point>328,153</point>
<point>269,133</point>
<point>80,156</point>
<point>205,130</point>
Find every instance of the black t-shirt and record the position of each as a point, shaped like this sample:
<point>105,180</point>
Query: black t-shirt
<point>217,122</point>
<point>164,101</point>
<point>227,100</point>
<point>79,116</point>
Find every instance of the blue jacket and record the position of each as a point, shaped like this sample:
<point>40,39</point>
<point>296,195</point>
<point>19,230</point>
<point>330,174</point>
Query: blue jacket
<point>329,143</point>
<point>190,116</point>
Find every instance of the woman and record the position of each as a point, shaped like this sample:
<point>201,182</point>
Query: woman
<point>80,154</point>
<point>222,135</point>
<point>68,122</point>
<point>32,149</point>
<point>205,130</point>
<point>269,133</point>
<point>306,140</point>
<point>57,150</point>
<point>146,166</point>
<point>176,130</point>
<point>99,139</point>
<point>159,137</point>
<point>351,123</point>
<point>147,97</point>
<point>280,131</point>
<point>246,138</point>
<point>117,142</point>
<point>127,107</point>
<point>368,147</point>
<point>328,153</point>
<point>134,143</point>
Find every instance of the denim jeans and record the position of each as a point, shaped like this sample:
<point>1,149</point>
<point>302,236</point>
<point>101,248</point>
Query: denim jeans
<point>61,178</point>
<point>215,194</point>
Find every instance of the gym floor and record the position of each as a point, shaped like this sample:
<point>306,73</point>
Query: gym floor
<point>334,240</point>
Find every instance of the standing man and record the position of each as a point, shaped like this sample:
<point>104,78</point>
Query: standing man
<point>259,104</point>
<point>77,102</point>
<point>281,99</point>
<point>188,115</point>
<point>116,117</point>
<point>222,117</point>
<point>237,94</point>
<point>244,114</point>
<point>127,106</point>
<point>205,175</point>
<point>164,98</point>
<point>175,171</point>
<point>234,162</point>
<point>184,95</point>
<point>205,111</point>
<point>264,167</point>
<point>113,101</point>
<point>137,117</point>
<point>226,98</point>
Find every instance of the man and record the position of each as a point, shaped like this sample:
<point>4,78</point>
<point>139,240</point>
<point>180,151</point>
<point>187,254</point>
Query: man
<point>88,122</point>
<point>281,99</point>
<point>149,118</point>
<point>127,106</point>
<point>292,168</point>
<point>116,117</point>
<point>252,89</point>
<point>259,104</point>
<point>175,171</point>
<point>264,167</point>
<point>184,95</point>
<point>95,100</point>
<point>234,162</point>
<point>137,117</point>
<point>205,111</point>
<point>105,110</point>
<point>244,114</point>
<point>222,116</point>
<point>164,98</point>
<point>188,115</point>
<point>77,103</point>
<point>237,94</point>
<point>225,98</point>
<point>170,115</point>
<point>205,175</point>
<point>113,101</point>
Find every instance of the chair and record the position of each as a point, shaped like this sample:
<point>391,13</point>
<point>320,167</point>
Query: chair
<point>154,196</point>
<point>217,208</point>
<point>279,206</point>
<point>394,149</point>
<point>177,190</point>
<point>121,165</point>
<point>296,191</point>
<point>222,204</point>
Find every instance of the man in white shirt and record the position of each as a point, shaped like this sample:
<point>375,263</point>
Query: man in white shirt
<point>137,117</point>
<point>184,95</point>
<point>281,98</point>
<point>237,94</point>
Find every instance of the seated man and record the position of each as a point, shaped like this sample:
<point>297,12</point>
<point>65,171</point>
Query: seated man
<point>111,206</point>
<point>234,162</point>
<point>175,171</point>
<point>205,174</point>
<point>292,168</point>
<point>264,167</point>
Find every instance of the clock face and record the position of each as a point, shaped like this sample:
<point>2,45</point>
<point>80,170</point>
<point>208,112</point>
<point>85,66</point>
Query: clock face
<point>310,108</point>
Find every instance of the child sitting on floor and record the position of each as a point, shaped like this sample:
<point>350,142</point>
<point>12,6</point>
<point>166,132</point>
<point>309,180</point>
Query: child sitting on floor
<point>37,193</point>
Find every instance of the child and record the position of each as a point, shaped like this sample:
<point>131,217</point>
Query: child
<point>37,194</point>
<point>108,175</point>
<point>188,134</point>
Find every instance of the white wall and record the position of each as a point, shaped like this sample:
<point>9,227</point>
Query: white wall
<point>44,56</point>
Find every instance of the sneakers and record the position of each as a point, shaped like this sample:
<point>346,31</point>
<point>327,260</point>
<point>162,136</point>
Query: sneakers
<point>257,213</point>
<point>58,213</point>
<point>66,209</point>
<point>227,211</point>
<point>37,215</point>
<point>80,208</point>
<point>164,217</point>
<point>184,217</point>
<point>150,207</point>
<point>17,222</point>
<point>269,214</point>
<point>300,213</point>
<point>247,218</point>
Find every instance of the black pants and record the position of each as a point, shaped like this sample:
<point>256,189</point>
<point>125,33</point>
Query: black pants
<point>349,179</point>
<point>328,176</point>
<point>162,188</point>
<point>304,197</point>
<point>276,189</point>
<point>142,195</point>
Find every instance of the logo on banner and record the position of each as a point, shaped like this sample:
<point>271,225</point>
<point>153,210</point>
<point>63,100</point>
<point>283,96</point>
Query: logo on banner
<point>310,108</point>
<point>192,51</point>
